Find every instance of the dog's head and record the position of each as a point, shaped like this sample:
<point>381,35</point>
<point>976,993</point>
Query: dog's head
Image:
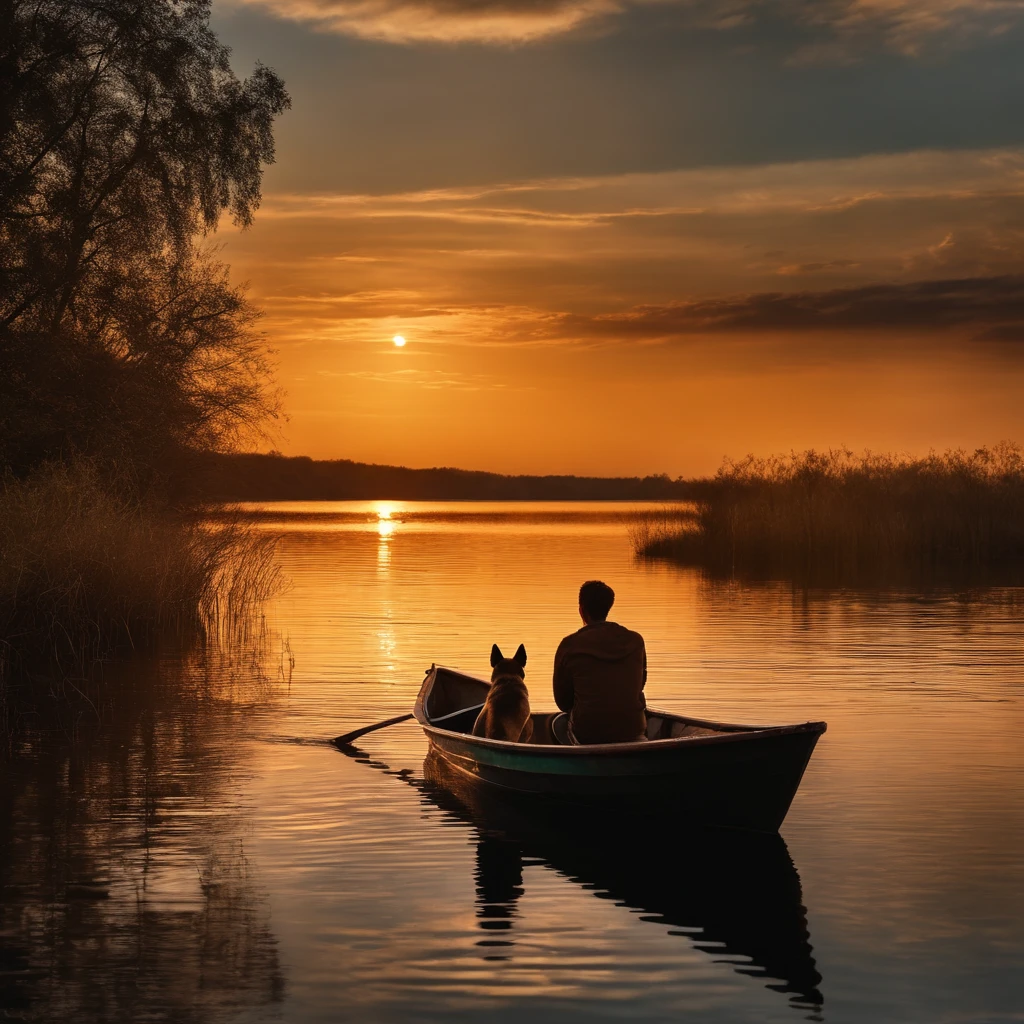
<point>507,666</point>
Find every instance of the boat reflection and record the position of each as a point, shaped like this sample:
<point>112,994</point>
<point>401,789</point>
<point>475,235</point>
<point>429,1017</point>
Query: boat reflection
<point>734,895</point>
<point>499,884</point>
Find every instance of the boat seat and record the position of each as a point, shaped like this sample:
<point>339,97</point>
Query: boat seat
<point>462,720</point>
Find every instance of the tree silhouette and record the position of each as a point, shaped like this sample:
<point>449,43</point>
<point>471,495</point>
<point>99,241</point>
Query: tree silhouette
<point>124,135</point>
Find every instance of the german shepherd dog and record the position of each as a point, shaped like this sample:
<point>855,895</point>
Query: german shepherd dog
<point>506,712</point>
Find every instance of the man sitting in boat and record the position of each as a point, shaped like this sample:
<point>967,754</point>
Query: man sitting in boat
<point>600,672</point>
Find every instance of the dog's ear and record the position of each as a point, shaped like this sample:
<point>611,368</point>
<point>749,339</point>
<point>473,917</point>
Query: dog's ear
<point>520,656</point>
<point>496,656</point>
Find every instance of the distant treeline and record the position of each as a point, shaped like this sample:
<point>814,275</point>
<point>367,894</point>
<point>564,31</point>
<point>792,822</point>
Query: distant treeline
<point>227,477</point>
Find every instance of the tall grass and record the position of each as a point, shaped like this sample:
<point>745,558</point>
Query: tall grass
<point>654,532</point>
<point>838,513</point>
<point>84,572</point>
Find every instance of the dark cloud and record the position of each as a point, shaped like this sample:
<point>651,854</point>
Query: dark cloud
<point>653,95</point>
<point>990,307</point>
<point>1005,334</point>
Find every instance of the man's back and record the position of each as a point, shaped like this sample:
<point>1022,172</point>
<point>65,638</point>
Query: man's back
<point>599,677</point>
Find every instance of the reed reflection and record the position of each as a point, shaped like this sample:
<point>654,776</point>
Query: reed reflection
<point>127,892</point>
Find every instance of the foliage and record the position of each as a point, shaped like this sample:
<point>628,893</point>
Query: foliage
<point>834,512</point>
<point>124,134</point>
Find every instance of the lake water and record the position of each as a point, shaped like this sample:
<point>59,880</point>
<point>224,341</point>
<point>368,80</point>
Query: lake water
<point>193,850</point>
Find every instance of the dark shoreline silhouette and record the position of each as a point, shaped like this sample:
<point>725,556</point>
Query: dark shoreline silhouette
<point>249,477</point>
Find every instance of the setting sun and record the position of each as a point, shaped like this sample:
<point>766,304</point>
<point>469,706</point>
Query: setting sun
<point>399,341</point>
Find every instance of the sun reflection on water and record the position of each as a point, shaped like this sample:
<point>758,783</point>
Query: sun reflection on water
<point>385,524</point>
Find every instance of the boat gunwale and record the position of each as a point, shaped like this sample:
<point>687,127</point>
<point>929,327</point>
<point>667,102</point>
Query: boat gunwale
<point>735,732</point>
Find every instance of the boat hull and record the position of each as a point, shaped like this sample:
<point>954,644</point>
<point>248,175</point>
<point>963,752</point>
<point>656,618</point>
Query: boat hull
<point>748,783</point>
<point>712,773</point>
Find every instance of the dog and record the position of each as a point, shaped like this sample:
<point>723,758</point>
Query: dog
<point>506,712</point>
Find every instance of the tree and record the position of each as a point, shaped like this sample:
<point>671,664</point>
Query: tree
<point>124,136</point>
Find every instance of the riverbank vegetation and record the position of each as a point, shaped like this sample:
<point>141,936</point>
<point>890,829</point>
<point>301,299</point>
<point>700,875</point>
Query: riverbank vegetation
<point>836,514</point>
<point>126,353</point>
<point>84,572</point>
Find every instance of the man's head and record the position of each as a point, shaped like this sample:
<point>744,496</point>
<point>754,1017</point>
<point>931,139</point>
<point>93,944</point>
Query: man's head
<point>596,600</point>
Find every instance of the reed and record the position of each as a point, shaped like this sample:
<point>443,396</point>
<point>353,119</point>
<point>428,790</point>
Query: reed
<point>837,513</point>
<point>84,572</point>
<point>655,532</point>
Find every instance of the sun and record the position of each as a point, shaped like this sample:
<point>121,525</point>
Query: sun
<point>399,341</point>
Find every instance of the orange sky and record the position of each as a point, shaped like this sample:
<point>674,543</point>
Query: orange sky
<point>631,239</point>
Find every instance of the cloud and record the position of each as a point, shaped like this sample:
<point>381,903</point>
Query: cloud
<point>979,250</point>
<point>987,309</point>
<point>906,24</point>
<point>993,306</point>
<point>800,269</point>
<point>431,380</point>
<point>448,21</point>
<point>731,253</point>
<point>826,187</point>
<point>1004,334</point>
<point>901,25</point>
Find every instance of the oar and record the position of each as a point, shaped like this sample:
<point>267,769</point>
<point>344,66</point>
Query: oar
<point>346,740</point>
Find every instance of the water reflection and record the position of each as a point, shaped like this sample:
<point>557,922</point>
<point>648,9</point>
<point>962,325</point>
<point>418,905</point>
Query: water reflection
<point>571,518</point>
<point>127,891</point>
<point>733,895</point>
<point>163,826</point>
<point>499,884</point>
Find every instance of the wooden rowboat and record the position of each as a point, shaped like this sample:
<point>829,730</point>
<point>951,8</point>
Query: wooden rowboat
<point>741,776</point>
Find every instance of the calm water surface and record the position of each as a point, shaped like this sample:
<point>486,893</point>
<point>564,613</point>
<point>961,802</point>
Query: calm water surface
<point>195,852</point>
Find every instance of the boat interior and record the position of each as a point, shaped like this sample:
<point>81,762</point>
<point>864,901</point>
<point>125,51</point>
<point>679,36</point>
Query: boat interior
<point>455,700</point>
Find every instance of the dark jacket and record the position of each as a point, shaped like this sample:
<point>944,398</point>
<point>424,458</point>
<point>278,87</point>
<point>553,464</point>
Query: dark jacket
<point>600,672</point>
